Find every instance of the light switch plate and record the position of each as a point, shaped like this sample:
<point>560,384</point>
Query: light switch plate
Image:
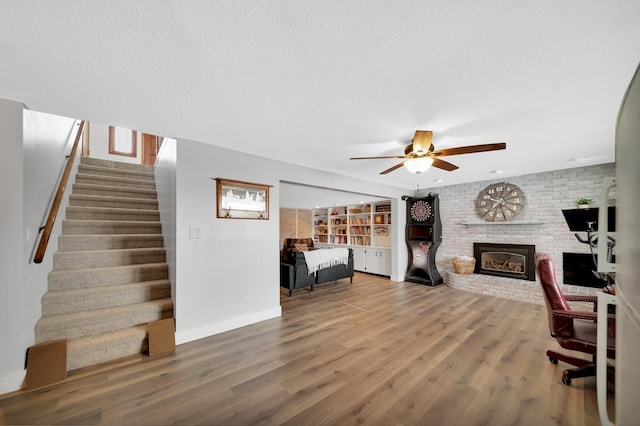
<point>195,233</point>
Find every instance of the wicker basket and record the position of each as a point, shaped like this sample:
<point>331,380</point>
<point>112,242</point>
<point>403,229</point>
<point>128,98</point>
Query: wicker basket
<point>463,266</point>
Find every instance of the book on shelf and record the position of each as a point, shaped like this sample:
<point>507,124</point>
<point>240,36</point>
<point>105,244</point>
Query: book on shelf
<point>360,230</point>
<point>359,220</point>
<point>339,239</point>
<point>360,241</point>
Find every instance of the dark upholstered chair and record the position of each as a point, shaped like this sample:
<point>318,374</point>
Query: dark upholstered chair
<point>573,330</point>
<point>294,273</point>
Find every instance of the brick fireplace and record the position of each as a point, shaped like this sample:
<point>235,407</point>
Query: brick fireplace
<point>514,283</point>
<point>542,224</point>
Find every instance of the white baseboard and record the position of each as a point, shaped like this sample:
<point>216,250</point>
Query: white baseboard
<point>184,336</point>
<point>397,277</point>
<point>12,381</point>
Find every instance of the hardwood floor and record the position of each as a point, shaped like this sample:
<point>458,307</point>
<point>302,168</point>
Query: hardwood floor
<point>373,352</point>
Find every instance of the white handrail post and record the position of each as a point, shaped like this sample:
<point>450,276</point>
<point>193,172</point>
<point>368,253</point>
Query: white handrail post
<point>604,300</point>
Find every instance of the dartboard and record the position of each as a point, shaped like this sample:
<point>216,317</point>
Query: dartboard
<point>420,211</point>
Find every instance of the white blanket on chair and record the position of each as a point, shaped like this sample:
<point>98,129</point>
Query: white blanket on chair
<point>325,258</point>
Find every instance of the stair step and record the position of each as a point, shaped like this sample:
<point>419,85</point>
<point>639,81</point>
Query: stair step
<point>78,324</point>
<point>115,164</point>
<point>114,191</point>
<point>75,227</point>
<point>109,241</point>
<point>104,347</point>
<point>63,260</point>
<point>110,274</point>
<point>109,213</point>
<point>114,181</point>
<point>112,202</point>
<point>69,279</point>
<point>110,171</point>
<point>84,299</point>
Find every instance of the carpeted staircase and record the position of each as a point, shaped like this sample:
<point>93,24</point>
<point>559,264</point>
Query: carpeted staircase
<point>110,276</point>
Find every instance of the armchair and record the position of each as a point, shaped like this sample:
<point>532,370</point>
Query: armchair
<point>573,330</point>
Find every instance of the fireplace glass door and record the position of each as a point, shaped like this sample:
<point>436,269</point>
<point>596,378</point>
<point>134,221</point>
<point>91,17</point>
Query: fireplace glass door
<point>505,260</point>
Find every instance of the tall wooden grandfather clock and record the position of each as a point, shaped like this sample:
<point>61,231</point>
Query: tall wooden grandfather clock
<point>423,235</point>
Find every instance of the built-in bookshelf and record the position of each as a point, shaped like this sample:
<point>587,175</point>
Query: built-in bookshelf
<point>381,218</point>
<point>355,225</point>
<point>320,226</point>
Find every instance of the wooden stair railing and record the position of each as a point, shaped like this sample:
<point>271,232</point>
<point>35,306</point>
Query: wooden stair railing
<point>55,206</point>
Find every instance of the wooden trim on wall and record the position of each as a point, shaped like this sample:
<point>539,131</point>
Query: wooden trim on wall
<point>86,140</point>
<point>229,208</point>
<point>149,148</point>
<point>112,143</point>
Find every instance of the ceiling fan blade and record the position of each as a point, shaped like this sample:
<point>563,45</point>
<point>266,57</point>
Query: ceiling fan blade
<point>469,149</point>
<point>422,141</point>
<point>375,158</point>
<point>444,165</point>
<point>390,169</point>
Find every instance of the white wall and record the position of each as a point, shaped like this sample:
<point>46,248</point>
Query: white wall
<point>627,256</point>
<point>11,243</point>
<point>296,196</point>
<point>99,145</point>
<point>165,173</point>
<point>230,276</point>
<point>48,139</point>
<point>33,155</point>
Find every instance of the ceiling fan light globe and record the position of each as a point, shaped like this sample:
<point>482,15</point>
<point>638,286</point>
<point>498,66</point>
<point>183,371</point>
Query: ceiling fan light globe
<point>418,165</point>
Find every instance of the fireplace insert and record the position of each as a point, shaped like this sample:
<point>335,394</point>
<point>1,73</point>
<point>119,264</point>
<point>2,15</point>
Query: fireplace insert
<point>505,260</point>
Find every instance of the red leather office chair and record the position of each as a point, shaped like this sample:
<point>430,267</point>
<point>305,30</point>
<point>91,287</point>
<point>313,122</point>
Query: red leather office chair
<point>574,330</point>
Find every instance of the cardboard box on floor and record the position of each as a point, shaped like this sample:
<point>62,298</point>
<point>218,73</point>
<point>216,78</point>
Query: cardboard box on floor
<point>162,337</point>
<point>46,364</point>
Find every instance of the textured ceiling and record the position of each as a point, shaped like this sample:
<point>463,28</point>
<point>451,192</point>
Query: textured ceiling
<point>316,82</point>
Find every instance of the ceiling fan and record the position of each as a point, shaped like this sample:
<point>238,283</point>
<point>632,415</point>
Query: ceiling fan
<point>419,155</point>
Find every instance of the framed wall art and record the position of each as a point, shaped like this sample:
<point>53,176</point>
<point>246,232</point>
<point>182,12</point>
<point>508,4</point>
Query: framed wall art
<point>241,200</point>
<point>381,231</point>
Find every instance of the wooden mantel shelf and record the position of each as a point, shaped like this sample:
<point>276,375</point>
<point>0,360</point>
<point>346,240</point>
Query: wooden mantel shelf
<point>515,222</point>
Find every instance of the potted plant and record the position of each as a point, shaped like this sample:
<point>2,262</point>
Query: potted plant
<point>584,203</point>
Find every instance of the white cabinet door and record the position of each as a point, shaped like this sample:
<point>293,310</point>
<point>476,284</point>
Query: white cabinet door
<point>367,259</point>
<point>359,259</point>
<point>378,261</point>
<point>385,262</point>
